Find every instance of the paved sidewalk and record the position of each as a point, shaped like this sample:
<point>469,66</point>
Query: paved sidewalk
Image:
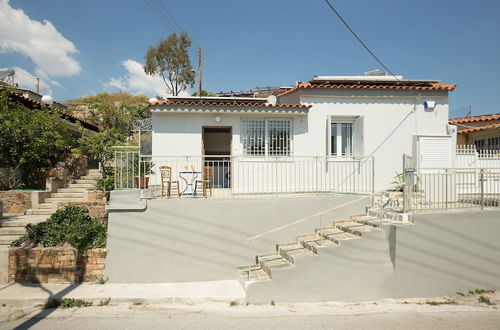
<point>19,294</point>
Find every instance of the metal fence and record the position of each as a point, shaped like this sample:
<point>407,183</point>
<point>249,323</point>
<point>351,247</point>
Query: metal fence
<point>224,176</point>
<point>467,156</point>
<point>452,188</point>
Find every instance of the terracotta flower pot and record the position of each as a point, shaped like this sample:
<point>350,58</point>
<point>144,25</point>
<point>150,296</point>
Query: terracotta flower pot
<point>142,182</point>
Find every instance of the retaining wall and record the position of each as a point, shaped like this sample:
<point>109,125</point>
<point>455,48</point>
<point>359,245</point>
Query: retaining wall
<point>55,265</point>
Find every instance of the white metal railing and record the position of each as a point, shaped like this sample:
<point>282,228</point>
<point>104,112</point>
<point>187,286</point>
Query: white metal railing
<point>240,176</point>
<point>467,156</point>
<point>451,188</point>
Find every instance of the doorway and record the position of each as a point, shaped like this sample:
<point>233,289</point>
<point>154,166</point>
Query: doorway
<point>217,152</point>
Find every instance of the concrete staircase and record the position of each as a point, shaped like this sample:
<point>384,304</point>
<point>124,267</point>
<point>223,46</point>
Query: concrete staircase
<point>74,192</point>
<point>309,245</point>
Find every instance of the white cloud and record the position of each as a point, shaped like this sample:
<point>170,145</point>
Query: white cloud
<point>40,41</point>
<point>26,80</point>
<point>136,81</point>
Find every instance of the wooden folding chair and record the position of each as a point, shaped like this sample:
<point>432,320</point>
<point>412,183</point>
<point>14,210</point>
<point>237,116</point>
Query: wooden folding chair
<point>206,180</point>
<point>167,183</point>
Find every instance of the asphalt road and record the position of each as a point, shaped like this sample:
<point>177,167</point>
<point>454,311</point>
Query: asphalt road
<point>270,317</point>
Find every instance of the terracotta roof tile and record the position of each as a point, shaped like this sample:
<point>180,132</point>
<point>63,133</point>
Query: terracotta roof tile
<point>371,85</point>
<point>226,103</point>
<point>474,119</point>
<point>85,123</point>
<point>479,128</point>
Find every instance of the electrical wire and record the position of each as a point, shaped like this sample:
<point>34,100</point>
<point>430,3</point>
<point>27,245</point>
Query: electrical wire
<point>360,41</point>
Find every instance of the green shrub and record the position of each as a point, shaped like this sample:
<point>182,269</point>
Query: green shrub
<point>106,183</point>
<point>72,225</point>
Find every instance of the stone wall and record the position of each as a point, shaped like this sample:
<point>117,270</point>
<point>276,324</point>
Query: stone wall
<point>16,201</point>
<point>55,265</point>
<point>96,205</point>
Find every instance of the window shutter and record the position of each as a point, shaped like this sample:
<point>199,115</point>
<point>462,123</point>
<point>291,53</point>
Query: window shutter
<point>434,152</point>
<point>357,137</point>
<point>328,135</point>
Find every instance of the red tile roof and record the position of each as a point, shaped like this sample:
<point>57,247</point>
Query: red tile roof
<point>431,86</point>
<point>226,103</point>
<point>479,128</point>
<point>475,119</point>
<point>85,123</point>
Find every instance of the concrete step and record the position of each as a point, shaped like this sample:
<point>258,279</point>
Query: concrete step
<point>39,212</point>
<point>293,251</point>
<point>67,195</point>
<point>72,190</point>
<point>7,239</point>
<point>65,199</point>
<point>94,171</point>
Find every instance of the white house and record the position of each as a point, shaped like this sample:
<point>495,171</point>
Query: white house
<point>333,133</point>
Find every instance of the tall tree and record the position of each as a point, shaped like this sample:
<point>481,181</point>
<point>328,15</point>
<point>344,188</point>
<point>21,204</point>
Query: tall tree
<point>170,60</point>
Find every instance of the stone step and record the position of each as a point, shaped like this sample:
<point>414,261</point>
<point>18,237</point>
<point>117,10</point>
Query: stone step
<point>80,181</point>
<point>44,206</point>
<point>339,237</point>
<point>328,230</point>
<point>67,195</point>
<point>314,242</point>
<point>270,264</point>
<point>65,199</point>
<point>39,212</point>
<point>22,220</point>
<point>94,171</point>
<point>253,273</point>
<point>82,185</point>
<point>91,177</point>
<point>354,227</point>
<point>292,251</point>
<point>72,190</point>
<point>12,231</point>
<point>7,239</point>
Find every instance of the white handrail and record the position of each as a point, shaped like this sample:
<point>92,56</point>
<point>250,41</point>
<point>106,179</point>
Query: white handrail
<point>305,218</point>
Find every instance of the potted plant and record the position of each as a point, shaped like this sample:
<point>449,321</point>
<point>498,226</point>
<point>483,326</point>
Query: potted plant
<point>143,169</point>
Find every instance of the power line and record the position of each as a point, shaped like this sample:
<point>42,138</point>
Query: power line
<point>359,39</point>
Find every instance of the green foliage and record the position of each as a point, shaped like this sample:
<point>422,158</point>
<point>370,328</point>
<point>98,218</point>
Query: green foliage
<point>484,300</point>
<point>204,93</point>
<point>98,146</point>
<point>72,225</point>
<point>117,110</point>
<point>36,139</point>
<point>106,184</point>
<point>170,60</point>
<point>67,303</point>
<point>105,302</point>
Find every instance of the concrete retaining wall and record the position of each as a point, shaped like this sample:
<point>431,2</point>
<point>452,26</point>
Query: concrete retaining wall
<point>441,253</point>
<point>202,240</point>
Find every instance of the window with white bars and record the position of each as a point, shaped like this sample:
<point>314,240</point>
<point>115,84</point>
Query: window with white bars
<point>267,137</point>
<point>341,135</point>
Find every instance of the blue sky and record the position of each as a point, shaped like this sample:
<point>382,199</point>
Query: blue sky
<point>92,46</point>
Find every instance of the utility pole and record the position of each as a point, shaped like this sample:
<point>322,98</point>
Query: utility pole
<point>198,92</point>
<point>37,85</point>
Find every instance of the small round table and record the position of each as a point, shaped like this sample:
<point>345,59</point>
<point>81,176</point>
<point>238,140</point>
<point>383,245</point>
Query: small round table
<point>189,178</point>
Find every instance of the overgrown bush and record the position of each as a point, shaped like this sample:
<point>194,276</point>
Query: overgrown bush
<point>106,183</point>
<point>31,141</point>
<point>73,225</point>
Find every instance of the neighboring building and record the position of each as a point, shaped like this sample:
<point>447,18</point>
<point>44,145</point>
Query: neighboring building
<point>339,119</point>
<point>481,131</point>
<point>33,100</point>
